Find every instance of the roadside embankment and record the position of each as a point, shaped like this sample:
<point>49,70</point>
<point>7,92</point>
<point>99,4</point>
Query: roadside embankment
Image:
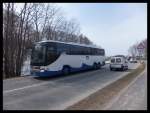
<point>102,97</point>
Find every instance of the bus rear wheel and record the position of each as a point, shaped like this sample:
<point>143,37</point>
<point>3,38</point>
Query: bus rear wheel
<point>95,66</point>
<point>99,65</point>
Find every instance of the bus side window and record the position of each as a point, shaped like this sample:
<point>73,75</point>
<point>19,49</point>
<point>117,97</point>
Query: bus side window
<point>61,48</point>
<point>88,51</point>
<point>102,52</point>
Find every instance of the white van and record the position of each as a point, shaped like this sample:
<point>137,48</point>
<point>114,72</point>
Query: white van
<point>118,62</point>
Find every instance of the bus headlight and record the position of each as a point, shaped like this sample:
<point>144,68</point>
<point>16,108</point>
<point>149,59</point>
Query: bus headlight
<point>42,70</point>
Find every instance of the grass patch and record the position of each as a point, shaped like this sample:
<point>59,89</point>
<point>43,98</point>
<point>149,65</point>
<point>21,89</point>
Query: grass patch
<point>99,99</point>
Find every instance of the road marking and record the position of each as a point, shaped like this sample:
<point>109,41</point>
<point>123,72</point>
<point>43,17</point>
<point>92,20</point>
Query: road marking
<point>35,85</point>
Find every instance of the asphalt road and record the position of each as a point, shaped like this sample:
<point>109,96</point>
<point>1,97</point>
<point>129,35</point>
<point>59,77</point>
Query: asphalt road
<point>57,93</point>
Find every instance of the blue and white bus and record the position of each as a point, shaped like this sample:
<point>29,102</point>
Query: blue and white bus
<point>51,58</point>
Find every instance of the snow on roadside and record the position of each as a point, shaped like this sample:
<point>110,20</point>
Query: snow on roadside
<point>26,67</point>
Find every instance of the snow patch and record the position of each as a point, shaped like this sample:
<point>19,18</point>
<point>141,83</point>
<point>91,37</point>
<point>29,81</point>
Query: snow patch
<point>26,67</point>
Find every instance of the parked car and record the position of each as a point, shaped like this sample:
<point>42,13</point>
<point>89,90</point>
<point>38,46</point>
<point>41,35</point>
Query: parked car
<point>118,62</point>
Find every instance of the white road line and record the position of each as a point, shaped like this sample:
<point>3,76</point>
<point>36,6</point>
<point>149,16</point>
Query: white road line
<point>35,85</point>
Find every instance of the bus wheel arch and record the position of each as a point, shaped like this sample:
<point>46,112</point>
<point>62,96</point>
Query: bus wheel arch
<point>66,69</point>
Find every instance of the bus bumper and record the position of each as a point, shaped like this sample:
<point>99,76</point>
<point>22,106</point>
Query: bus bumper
<point>45,73</point>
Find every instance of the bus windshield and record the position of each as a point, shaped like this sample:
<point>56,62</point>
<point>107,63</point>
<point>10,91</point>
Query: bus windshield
<point>38,55</point>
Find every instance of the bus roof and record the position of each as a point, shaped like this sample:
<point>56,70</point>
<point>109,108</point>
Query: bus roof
<point>71,43</point>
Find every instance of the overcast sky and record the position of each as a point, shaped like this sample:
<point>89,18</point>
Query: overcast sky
<point>113,26</point>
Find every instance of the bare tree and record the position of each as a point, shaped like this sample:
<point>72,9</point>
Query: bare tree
<point>33,23</point>
<point>134,51</point>
<point>15,31</point>
<point>52,22</point>
<point>5,39</point>
<point>144,43</point>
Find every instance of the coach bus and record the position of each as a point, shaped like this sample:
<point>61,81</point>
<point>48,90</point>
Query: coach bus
<point>50,58</point>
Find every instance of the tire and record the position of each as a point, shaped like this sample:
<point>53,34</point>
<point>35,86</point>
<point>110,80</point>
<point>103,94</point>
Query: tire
<point>66,70</point>
<point>111,68</point>
<point>99,65</point>
<point>95,66</point>
<point>103,63</point>
<point>122,68</point>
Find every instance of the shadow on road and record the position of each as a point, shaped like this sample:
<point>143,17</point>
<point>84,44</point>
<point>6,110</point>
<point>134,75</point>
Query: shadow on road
<point>119,70</point>
<point>63,76</point>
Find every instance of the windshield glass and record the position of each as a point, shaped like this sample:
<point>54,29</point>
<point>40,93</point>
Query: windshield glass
<point>38,55</point>
<point>118,60</point>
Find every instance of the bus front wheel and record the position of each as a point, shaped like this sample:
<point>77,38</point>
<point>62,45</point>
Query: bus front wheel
<point>66,70</point>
